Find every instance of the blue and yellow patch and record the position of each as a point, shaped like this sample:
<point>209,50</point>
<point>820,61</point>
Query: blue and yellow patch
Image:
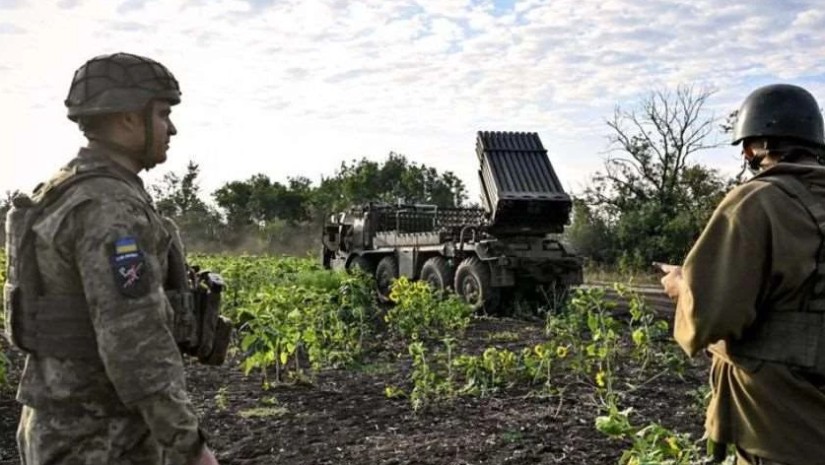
<point>130,268</point>
<point>126,245</point>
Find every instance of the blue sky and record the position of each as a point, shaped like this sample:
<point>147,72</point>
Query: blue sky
<point>293,87</point>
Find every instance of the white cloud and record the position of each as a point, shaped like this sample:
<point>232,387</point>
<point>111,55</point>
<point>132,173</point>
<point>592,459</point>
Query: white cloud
<point>292,87</point>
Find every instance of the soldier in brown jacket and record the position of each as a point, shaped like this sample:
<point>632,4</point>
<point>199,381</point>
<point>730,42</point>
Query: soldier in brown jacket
<point>87,296</point>
<point>752,289</point>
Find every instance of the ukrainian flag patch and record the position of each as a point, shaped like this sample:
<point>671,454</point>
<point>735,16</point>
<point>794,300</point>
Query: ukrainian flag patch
<point>129,268</point>
<point>126,245</point>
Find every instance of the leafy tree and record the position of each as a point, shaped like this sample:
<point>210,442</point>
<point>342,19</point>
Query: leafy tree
<point>590,233</point>
<point>650,197</point>
<point>259,200</point>
<point>395,179</point>
<point>178,197</point>
<point>259,214</point>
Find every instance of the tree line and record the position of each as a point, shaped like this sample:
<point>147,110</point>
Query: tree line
<point>652,200</point>
<point>649,202</point>
<point>261,215</point>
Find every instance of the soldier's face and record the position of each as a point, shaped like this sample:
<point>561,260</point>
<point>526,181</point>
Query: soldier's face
<point>163,129</point>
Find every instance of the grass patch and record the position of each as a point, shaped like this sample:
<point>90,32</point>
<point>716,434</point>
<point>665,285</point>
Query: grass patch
<point>263,412</point>
<point>503,336</point>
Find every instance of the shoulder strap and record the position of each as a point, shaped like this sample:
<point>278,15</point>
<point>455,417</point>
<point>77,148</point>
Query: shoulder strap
<point>794,188</point>
<point>49,194</point>
<point>793,336</point>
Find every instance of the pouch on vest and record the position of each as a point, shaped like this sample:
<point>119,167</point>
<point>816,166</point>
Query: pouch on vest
<point>195,295</point>
<point>38,321</point>
<point>214,330</point>
<point>19,220</point>
<point>12,312</point>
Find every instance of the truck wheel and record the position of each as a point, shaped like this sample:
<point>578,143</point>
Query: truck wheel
<point>472,282</point>
<point>360,263</point>
<point>385,273</point>
<point>436,273</point>
<point>326,257</point>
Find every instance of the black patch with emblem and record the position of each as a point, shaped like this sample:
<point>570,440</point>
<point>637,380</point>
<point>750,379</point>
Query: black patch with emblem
<point>130,268</point>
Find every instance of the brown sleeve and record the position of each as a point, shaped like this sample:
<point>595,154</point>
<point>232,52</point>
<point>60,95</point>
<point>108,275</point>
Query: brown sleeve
<point>724,272</point>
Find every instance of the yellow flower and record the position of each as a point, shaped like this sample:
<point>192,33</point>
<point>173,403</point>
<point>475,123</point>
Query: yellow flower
<point>539,350</point>
<point>561,351</point>
<point>600,379</point>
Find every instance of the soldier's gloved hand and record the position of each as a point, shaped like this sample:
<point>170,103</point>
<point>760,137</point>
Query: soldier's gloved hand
<point>206,457</point>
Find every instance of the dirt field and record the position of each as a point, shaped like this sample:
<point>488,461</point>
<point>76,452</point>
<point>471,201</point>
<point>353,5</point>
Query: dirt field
<point>344,417</point>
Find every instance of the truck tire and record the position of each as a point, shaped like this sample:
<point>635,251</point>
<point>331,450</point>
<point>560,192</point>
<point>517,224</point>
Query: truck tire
<point>385,273</point>
<point>360,263</point>
<point>472,283</point>
<point>436,272</point>
<point>326,257</point>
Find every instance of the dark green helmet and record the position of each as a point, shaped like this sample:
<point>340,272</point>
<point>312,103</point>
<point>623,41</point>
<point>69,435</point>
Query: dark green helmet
<point>117,83</point>
<point>782,111</point>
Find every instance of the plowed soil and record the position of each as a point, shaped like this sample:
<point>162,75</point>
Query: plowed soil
<point>342,416</point>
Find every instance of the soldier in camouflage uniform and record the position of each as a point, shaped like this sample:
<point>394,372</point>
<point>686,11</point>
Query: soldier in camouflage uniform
<point>104,379</point>
<point>752,289</point>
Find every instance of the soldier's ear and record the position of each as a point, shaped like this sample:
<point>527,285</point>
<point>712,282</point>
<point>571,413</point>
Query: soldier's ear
<point>132,121</point>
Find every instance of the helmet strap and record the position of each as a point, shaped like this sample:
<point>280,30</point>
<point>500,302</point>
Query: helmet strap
<point>755,162</point>
<point>145,156</point>
<point>786,151</point>
<point>131,153</point>
<point>148,156</point>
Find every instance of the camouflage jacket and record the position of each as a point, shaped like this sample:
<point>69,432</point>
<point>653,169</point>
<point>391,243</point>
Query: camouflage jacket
<point>103,238</point>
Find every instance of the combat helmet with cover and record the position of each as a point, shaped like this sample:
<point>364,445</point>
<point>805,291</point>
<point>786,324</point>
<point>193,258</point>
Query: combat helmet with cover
<point>122,82</point>
<point>117,83</point>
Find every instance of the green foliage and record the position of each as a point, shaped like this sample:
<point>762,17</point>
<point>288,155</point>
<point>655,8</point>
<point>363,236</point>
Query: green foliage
<point>431,381</point>
<point>601,350</point>
<point>644,327</point>
<point>652,444</point>
<point>259,200</point>
<point>590,234</point>
<point>260,215</point>
<point>290,311</point>
<point>419,313</point>
<point>650,202</point>
<point>439,376</point>
<point>396,178</point>
<point>178,197</point>
<point>292,316</point>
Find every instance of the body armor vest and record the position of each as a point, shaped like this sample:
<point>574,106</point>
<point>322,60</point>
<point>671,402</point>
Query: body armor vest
<point>59,325</point>
<point>793,336</point>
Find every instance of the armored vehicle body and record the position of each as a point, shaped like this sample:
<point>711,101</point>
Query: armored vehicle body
<point>511,243</point>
